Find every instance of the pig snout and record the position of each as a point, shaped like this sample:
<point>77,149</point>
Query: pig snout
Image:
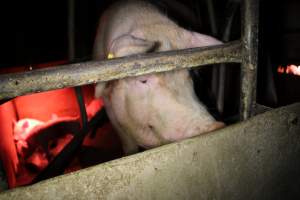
<point>37,161</point>
<point>177,131</point>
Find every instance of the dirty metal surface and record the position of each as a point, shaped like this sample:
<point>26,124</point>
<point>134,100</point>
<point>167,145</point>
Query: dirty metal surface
<point>17,84</point>
<point>250,17</point>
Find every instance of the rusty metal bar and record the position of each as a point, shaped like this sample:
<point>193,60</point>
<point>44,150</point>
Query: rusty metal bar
<point>13,85</point>
<point>250,12</point>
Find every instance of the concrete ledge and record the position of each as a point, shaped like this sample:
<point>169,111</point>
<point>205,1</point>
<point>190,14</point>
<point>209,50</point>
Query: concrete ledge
<point>256,159</point>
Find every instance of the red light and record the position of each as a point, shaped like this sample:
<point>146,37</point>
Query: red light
<point>290,69</point>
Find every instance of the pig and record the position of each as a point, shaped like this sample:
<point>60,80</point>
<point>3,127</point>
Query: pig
<point>38,142</point>
<point>155,109</point>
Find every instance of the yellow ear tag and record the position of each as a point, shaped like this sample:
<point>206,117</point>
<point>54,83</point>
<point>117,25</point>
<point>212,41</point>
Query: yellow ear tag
<point>110,56</point>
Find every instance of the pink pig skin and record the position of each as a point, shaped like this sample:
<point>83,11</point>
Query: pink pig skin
<point>155,109</point>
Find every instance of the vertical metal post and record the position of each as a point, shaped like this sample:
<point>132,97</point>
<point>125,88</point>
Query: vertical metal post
<point>249,12</point>
<point>71,30</point>
<point>231,9</point>
<point>212,17</point>
<point>214,32</point>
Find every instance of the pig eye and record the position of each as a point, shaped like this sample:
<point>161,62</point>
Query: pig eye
<point>143,81</point>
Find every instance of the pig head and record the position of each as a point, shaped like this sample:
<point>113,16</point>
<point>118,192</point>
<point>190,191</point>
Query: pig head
<point>155,109</point>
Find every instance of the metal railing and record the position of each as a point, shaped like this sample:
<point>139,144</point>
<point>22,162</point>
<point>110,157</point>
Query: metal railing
<point>250,16</point>
<point>243,51</point>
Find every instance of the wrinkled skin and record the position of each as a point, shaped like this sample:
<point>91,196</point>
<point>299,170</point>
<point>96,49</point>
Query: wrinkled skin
<point>155,109</point>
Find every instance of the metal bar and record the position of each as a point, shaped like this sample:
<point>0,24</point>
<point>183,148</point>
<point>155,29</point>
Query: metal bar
<point>71,29</point>
<point>214,32</point>
<point>12,85</point>
<point>212,17</point>
<point>250,14</point>
<point>232,7</point>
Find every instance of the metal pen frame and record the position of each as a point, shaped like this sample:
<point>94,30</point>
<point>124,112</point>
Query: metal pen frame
<point>70,75</point>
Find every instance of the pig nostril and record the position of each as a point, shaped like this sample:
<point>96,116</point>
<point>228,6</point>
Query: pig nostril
<point>31,167</point>
<point>52,144</point>
<point>151,127</point>
<point>143,81</point>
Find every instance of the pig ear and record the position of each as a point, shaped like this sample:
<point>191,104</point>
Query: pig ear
<point>193,39</point>
<point>99,89</point>
<point>127,45</point>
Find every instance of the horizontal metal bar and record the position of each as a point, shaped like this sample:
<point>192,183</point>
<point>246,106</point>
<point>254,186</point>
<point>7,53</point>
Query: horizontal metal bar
<point>13,85</point>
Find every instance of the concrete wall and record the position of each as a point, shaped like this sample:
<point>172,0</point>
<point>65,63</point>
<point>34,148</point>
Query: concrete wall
<point>256,159</point>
